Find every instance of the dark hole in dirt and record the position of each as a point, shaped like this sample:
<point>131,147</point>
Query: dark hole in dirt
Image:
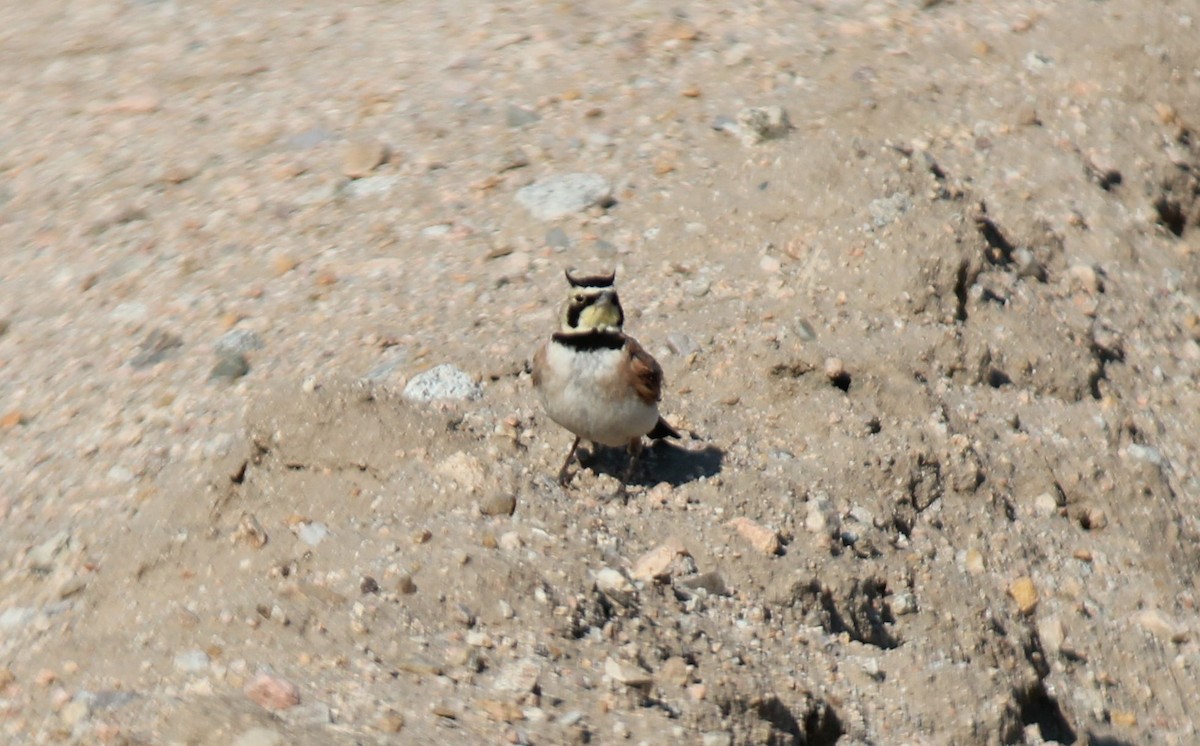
<point>874,426</point>
<point>841,381</point>
<point>1040,709</point>
<point>1000,249</point>
<point>997,378</point>
<point>1170,214</point>
<point>867,615</point>
<point>822,727</point>
<point>1110,179</point>
<point>960,291</point>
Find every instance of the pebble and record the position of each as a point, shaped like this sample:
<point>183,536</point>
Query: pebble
<point>192,661</point>
<point>442,382</point>
<point>158,345</point>
<point>498,504</point>
<point>519,676</point>
<point>371,186</point>
<point>511,541</point>
<point>615,585</point>
<point>559,196</point>
<point>250,531</point>
<point>1024,592</point>
<point>757,124</point>
<point>1045,504</point>
<point>237,342</point>
<point>903,603</point>
<point>405,585</point>
<point>1161,625</point>
<point>272,692</point>
<point>260,737</point>
<point>311,534</point>
<point>711,582</point>
<point>1052,634</point>
<point>626,673</point>
<point>391,722</point>
<point>822,518</point>
<point>657,562</point>
<point>361,157</point>
<point>974,561</point>
<point>518,116</point>
<point>681,344</point>
<point>16,616</point>
<point>43,557</point>
<point>887,210</point>
<point>760,537</point>
<point>229,367</point>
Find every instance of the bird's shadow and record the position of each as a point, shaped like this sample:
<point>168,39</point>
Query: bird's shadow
<point>661,462</point>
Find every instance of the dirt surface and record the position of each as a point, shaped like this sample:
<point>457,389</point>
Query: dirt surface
<point>934,344</point>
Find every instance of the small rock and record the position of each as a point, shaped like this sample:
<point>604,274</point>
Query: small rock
<point>361,157</point>
<point>405,585</point>
<point>156,347</point>
<point>260,737</point>
<point>498,504</point>
<point>16,616</point>
<point>657,562</point>
<point>625,673</point>
<point>79,709</point>
<point>517,116</point>
<point>681,344</point>
<point>442,382</point>
<point>371,186</point>
<point>391,722</point>
<point>1160,625</point>
<point>272,692</point>
<point>1024,592</point>
<point>758,124</point>
<point>760,537</point>
<point>12,418</point>
<point>974,561</point>
<point>615,585</point>
<point>42,558</point>
<point>1094,519</point>
<point>519,676</point>
<point>903,603</point>
<point>559,196</point>
<point>822,518</point>
<point>1045,504</point>
<point>237,342</point>
<point>229,368</point>
<point>511,541</point>
<point>1052,634</point>
<point>250,531</point>
<point>192,661</point>
<point>368,585</point>
<point>736,54</point>
<point>711,582</point>
<point>887,210</point>
<point>1084,278</point>
<point>311,534</point>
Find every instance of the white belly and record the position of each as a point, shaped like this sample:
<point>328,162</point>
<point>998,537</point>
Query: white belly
<point>580,392</point>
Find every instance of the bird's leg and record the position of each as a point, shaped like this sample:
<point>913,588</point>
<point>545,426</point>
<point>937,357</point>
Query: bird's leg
<point>562,473</point>
<point>635,450</point>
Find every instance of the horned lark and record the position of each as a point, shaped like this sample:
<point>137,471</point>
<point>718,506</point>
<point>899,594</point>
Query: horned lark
<point>595,380</point>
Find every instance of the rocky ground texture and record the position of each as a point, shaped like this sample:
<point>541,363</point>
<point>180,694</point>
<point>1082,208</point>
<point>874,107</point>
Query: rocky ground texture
<point>924,278</point>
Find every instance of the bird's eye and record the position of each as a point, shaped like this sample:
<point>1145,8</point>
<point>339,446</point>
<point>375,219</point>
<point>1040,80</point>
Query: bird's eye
<point>579,298</point>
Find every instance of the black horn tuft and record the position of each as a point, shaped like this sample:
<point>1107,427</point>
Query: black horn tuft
<point>593,281</point>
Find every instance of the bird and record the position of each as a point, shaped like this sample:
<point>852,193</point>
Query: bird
<point>594,379</point>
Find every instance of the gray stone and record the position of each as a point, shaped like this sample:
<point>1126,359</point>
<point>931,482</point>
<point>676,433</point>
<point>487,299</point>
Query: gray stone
<point>757,124</point>
<point>156,347</point>
<point>230,367</point>
<point>559,196</point>
<point>887,210</point>
<point>442,382</point>
<point>238,342</point>
<point>711,582</point>
<point>517,116</point>
<point>16,616</point>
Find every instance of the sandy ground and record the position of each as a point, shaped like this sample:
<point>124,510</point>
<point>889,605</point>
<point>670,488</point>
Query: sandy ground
<point>935,345</point>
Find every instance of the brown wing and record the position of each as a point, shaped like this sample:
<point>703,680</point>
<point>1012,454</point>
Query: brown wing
<point>644,372</point>
<point>539,364</point>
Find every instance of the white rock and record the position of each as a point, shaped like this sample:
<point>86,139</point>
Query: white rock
<point>192,661</point>
<point>442,382</point>
<point>559,196</point>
